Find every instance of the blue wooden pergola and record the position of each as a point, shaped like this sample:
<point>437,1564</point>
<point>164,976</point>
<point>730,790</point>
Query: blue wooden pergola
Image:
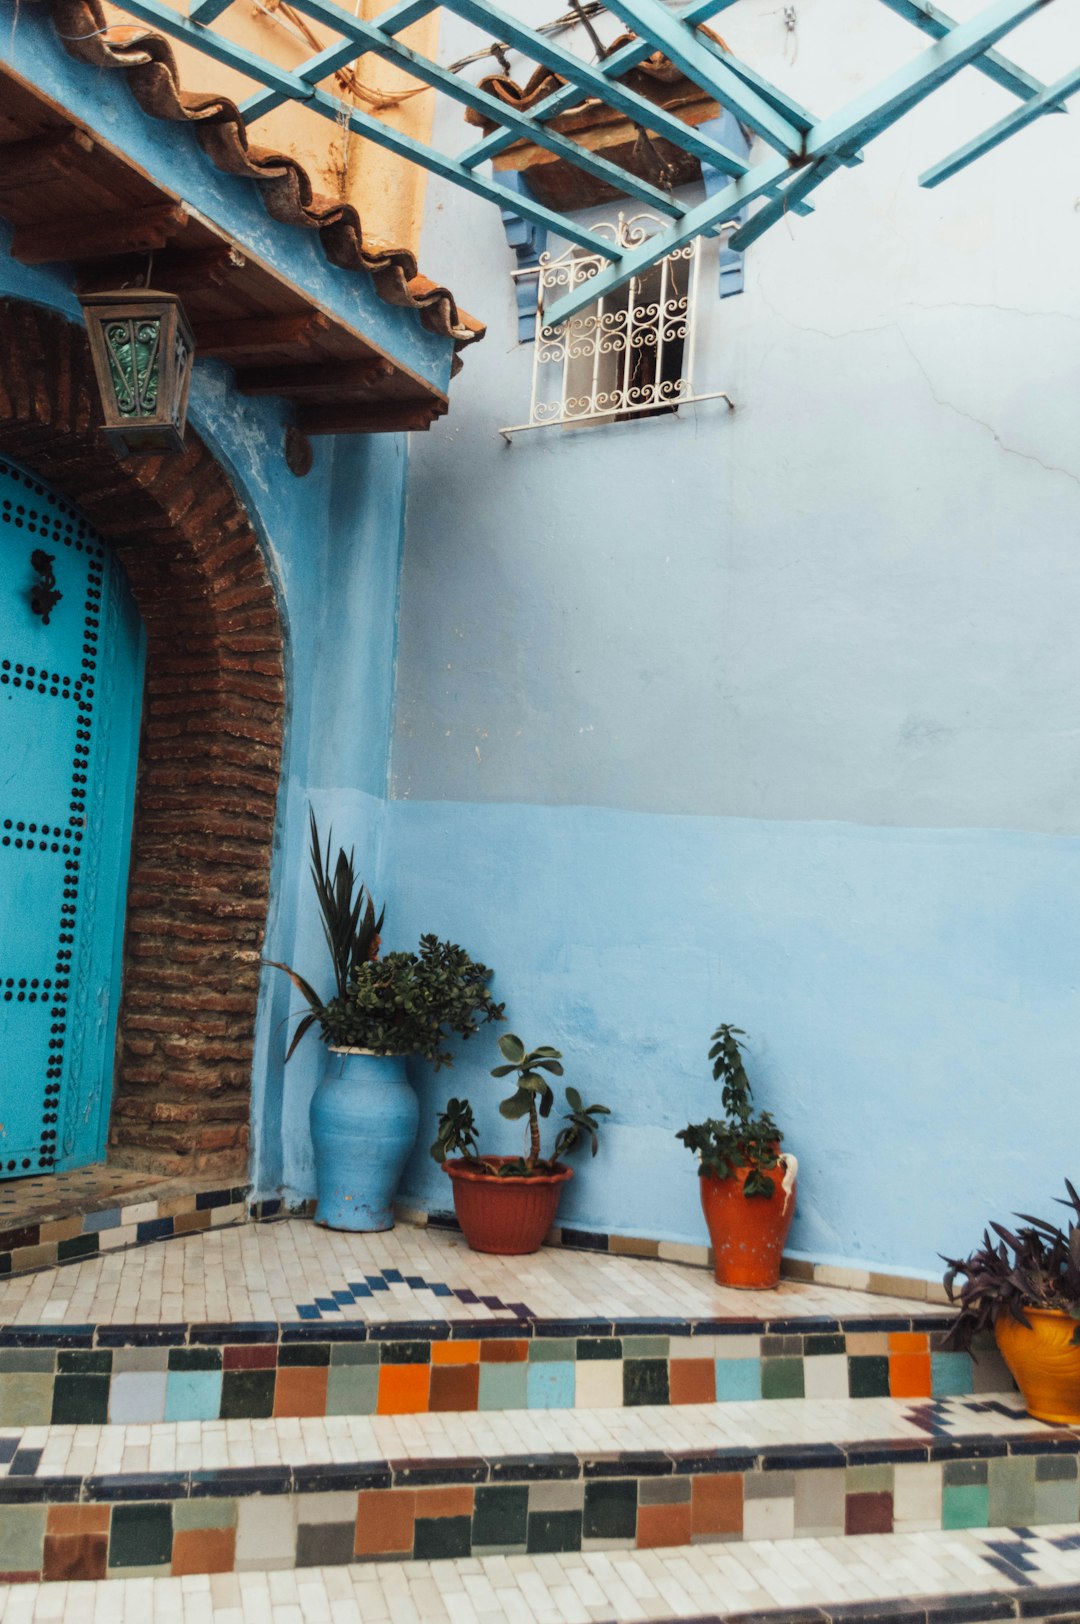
<point>803,150</point>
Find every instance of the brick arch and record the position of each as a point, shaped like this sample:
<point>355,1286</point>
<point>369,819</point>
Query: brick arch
<point>209,759</point>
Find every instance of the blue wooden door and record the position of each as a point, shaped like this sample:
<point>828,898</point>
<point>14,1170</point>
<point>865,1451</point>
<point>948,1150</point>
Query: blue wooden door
<point>70,696</point>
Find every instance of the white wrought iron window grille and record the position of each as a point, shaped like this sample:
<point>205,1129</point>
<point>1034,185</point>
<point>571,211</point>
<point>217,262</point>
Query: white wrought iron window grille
<point>629,355</point>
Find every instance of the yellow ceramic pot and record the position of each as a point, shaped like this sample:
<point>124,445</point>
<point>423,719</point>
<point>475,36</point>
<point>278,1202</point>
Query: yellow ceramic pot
<point>1045,1363</point>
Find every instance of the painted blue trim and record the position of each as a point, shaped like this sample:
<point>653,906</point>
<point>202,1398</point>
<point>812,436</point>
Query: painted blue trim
<point>726,129</point>
<point>528,241</point>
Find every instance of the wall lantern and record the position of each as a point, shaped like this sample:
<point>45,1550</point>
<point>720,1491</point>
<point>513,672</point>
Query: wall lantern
<point>143,349</point>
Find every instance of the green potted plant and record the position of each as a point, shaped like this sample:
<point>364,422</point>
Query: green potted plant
<point>1025,1287</point>
<point>507,1204</point>
<point>747,1183</point>
<point>364,1112</point>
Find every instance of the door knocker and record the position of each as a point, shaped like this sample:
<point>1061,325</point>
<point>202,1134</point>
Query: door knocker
<point>43,596</point>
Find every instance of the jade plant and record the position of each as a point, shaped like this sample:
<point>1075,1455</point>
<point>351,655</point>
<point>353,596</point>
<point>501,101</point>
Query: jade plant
<point>1037,1266</point>
<point>533,1098</point>
<point>740,1139</point>
<point>404,1003</point>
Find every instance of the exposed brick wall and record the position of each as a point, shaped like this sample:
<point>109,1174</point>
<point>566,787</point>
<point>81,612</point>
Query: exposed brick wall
<point>209,758</point>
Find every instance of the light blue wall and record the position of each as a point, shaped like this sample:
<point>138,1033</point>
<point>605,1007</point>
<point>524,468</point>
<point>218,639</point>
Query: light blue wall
<point>772,717</point>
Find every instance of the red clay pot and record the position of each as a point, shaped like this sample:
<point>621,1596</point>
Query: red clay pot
<point>508,1216</point>
<point>747,1232</point>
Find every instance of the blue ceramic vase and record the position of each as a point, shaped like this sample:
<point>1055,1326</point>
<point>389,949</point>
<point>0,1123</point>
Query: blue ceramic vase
<point>364,1117</point>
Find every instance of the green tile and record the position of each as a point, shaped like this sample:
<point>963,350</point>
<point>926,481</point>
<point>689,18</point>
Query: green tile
<point>554,1531</point>
<point>1055,1468</point>
<point>965,1505</point>
<point>1057,1501</point>
<point>406,1353</point>
<point>304,1353</point>
<point>81,1399</point>
<point>504,1387</point>
<point>85,1360</point>
<point>22,1538</point>
<point>189,1514</point>
<point>868,1376</point>
<point>354,1353</point>
<point>25,1400</point>
<point>247,1394</point>
<point>782,1378</point>
<point>610,1509</point>
<point>646,1347</point>
<point>140,1536</point>
<point>963,1473</point>
<point>500,1515</point>
<point>352,1390</point>
<point>1012,1491</point>
<point>437,1537</point>
<point>194,1358</point>
<point>826,1343</point>
<point>40,1360</point>
<point>869,1479</point>
<point>645,1381</point>
<point>599,1347</point>
<point>546,1350</point>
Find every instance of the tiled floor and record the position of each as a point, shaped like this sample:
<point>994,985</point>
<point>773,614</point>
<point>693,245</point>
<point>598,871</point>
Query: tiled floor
<point>290,1270</point>
<point>578,1588</point>
<point>57,1194</point>
<point>83,1450</point>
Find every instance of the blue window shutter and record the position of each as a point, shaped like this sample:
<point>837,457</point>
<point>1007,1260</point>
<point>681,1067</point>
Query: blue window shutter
<point>729,133</point>
<point>528,240</point>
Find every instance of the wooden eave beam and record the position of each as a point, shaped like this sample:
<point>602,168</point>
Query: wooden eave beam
<point>97,236</point>
<point>225,339</point>
<point>176,270</point>
<point>395,417</point>
<point>314,378</point>
<point>41,158</point>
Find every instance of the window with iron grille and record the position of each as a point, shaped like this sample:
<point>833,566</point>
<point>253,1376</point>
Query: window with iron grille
<point>630,354</point>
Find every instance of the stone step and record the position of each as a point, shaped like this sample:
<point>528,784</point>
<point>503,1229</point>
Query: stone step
<point>150,1373</point>
<point>284,1491</point>
<point>960,1577</point>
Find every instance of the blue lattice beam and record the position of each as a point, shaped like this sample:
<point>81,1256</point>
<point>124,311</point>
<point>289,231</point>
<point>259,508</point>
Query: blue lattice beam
<point>937,23</point>
<point>839,137</point>
<point>1053,97</point>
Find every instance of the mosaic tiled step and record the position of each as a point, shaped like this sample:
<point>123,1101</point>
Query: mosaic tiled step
<point>108,1220</point>
<point>284,1493</point>
<point>130,1374</point>
<point>955,1578</point>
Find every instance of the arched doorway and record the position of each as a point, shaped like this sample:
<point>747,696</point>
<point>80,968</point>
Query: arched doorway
<point>209,756</point>
<point>71,669</point>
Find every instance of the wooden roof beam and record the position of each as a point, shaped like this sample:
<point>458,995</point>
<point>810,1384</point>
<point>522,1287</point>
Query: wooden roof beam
<point>98,236</point>
<point>314,378</point>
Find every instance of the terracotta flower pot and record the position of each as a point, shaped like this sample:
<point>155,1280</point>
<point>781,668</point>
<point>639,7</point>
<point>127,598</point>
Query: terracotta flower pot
<point>1045,1363</point>
<point>748,1232</point>
<point>508,1216</point>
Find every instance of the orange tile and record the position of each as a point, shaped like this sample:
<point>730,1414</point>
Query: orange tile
<point>499,1352</point>
<point>454,1501</point>
<point>204,1550</point>
<point>455,1353</point>
<point>301,1390</point>
<point>717,1504</point>
<point>909,1375</point>
<point>78,1520</point>
<point>384,1522</point>
<point>455,1387</point>
<point>75,1556</point>
<point>909,1342</point>
<point>692,1381</point>
<point>403,1389</point>
<point>663,1525</point>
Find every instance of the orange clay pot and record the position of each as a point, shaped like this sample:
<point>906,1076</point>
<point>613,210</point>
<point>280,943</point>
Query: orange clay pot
<point>508,1216</point>
<point>1044,1362</point>
<point>747,1232</point>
